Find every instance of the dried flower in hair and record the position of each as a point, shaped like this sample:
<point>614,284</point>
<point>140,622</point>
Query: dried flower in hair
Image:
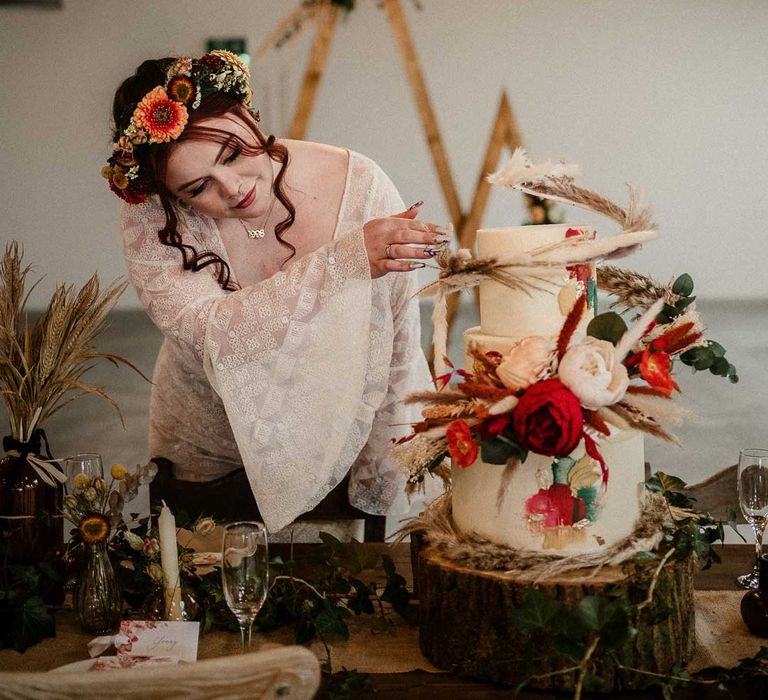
<point>182,89</point>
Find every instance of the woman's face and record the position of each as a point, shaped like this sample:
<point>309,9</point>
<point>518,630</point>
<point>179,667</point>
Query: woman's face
<point>217,179</point>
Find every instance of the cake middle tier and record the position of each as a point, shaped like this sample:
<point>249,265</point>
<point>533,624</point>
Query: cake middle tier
<point>541,309</point>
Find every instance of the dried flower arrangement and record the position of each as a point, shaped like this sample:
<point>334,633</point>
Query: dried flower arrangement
<point>545,395</point>
<point>42,363</point>
<point>95,507</point>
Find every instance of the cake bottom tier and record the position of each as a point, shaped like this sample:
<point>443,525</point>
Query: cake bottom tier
<point>554,504</point>
<point>466,623</point>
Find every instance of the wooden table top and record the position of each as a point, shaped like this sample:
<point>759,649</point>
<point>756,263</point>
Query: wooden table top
<point>421,685</point>
<point>737,559</point>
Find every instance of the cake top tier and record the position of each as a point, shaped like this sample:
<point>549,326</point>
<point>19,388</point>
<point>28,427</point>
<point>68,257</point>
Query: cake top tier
<point>520,313</point>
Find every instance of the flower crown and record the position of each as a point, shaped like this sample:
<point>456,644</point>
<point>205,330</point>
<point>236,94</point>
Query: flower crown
<point>162,114</point>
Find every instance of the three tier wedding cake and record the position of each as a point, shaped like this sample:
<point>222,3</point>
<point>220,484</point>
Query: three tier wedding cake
<point>558,502</point>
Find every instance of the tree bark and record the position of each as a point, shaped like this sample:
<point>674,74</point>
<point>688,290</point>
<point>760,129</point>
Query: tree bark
<point>465,625</point>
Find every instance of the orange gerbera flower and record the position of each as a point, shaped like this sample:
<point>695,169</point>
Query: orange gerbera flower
<point>163,118</point>
<point>94,528</point>
<point>655,369</point>
<point>461,445</point>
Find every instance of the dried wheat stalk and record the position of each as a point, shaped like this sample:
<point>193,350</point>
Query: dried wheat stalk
<point>42,366</point>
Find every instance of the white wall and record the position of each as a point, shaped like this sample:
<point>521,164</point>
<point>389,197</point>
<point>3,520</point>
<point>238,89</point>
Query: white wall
<point>666,94</point>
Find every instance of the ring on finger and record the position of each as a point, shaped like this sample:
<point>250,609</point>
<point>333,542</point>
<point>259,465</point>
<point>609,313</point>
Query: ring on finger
<point>388,250</point>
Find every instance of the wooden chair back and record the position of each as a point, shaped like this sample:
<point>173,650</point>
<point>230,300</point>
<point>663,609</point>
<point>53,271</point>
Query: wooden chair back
<point>285,673</point>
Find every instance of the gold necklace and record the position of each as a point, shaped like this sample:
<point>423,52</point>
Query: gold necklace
<point>259,232</point>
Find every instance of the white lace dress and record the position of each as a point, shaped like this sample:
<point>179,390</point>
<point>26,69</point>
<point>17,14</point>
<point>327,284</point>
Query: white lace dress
<point>299,378</point>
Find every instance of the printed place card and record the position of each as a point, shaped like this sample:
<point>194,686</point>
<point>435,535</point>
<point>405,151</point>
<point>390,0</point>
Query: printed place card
<point>158,638</point>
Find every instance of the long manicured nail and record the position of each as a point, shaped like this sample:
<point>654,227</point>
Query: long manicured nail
<point>416,265</point>
<point>441,238</point>
<point>417,204</point>
<point>432,252</point>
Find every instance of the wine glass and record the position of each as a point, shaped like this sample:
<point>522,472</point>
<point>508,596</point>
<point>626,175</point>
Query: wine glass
<point>88,463</point>
<point>753,499</point>
<point>245,573</point>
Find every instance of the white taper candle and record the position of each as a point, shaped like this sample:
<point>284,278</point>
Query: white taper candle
<point>169,560</point>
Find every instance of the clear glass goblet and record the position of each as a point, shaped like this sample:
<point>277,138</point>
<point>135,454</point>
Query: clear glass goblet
<point>245,573</point>
<point>88,463</point>
<point>752,477</point>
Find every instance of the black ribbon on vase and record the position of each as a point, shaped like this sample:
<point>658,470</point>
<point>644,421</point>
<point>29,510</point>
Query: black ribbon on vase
<point>31,452</point>
<point>31,446</point>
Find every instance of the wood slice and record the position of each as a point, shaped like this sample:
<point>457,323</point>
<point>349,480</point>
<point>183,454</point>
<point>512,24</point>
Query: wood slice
<point>465,626</point>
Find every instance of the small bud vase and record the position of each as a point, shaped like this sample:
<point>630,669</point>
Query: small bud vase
<point>97,596</point>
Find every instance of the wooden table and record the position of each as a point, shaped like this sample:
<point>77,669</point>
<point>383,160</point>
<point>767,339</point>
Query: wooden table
<point>422,685</point>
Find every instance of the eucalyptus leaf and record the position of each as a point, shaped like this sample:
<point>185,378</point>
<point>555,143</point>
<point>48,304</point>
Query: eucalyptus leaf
<point>607,326</point>
<point>720,366</point>
<point>683,303</point>
<point>683,285</point>
<point>715,348</point>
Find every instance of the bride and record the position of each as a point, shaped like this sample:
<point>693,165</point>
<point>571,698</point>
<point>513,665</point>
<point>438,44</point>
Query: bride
<point>281,275</point>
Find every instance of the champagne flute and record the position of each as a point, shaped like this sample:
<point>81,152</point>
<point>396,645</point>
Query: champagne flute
<point>88,463</point>
<point>245,573</point>
<point>753,499</point>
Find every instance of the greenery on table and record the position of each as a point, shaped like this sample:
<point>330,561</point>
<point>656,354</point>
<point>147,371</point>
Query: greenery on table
<point>604,624</point>
<point>25,618</point>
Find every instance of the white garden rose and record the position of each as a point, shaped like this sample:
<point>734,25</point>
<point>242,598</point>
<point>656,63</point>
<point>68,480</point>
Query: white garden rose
<point>591,370</point>
<point>526,362</point>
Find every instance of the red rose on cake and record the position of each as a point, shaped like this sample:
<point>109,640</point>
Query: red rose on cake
<point>548,419</point>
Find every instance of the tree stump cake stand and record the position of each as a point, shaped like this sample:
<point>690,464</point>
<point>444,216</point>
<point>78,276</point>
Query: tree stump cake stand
<point>465,625</point>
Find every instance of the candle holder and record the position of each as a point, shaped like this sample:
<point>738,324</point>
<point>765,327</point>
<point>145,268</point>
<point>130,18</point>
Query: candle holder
<point>186,609</point>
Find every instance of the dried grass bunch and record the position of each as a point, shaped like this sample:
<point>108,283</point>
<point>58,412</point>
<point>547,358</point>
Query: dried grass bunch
<point>42,363</point>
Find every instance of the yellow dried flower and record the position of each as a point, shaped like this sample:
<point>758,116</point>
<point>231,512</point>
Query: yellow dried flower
<point>119,179</point>
<point>81,481</point>
<point>118,471</point>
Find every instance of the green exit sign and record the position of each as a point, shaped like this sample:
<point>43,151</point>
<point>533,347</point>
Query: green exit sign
<point>236,46</point>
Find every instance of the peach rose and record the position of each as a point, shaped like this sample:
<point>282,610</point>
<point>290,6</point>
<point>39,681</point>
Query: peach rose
<point>591,370</point>
<point>526,362</point>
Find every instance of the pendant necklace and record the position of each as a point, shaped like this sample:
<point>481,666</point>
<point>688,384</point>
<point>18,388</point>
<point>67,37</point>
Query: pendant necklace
<point>259,232</point>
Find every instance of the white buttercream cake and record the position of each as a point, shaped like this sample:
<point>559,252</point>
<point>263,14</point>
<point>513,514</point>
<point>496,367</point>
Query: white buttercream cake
<point>557,504</point>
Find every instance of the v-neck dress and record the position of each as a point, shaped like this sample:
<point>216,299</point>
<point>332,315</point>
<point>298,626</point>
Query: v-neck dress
<point>300,378</point>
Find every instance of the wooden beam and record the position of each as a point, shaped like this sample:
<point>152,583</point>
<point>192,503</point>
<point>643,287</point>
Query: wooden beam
<point>424,106</point>
<point>326,23</point>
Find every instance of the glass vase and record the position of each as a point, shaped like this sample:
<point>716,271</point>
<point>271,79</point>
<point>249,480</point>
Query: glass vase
<point>97,595</point>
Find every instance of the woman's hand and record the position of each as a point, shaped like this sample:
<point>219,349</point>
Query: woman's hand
<point>389,242</point>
